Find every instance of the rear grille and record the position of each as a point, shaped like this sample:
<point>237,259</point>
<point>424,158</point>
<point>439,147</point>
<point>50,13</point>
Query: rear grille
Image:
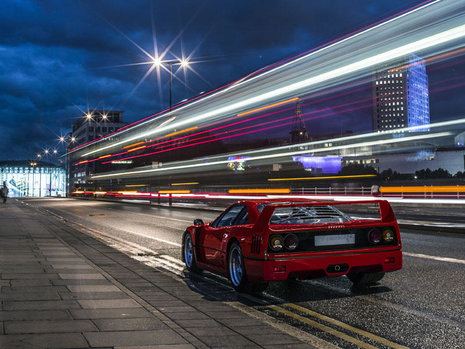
<point>256,244</point>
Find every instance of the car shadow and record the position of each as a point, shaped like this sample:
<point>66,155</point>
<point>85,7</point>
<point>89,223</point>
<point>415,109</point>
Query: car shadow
<point>216,288</point>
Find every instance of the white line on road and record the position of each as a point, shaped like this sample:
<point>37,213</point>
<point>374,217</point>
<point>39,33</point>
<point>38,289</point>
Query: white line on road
<point>435,258</point>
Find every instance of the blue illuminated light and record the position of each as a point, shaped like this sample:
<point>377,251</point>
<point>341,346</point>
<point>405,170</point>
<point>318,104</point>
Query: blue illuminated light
<point>319,164</point>
<point>417,94</point>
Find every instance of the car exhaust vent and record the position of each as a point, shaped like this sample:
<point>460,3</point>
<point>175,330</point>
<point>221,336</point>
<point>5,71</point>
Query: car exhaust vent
<point>256,244</point>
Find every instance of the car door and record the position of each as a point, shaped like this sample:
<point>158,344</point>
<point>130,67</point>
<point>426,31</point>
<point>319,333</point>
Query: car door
<point>216,233</point>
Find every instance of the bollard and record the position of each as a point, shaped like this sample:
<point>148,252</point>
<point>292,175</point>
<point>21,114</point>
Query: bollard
<point>170,200</point>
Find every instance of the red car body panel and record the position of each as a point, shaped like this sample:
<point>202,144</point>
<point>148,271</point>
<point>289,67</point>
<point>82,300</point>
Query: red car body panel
<point>211,245</point>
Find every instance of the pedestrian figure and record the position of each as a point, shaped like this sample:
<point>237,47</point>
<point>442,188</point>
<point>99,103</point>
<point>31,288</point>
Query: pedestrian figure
<point>4,192</point>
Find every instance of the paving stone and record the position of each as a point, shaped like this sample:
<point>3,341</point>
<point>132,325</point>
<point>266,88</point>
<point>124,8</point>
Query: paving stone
<point>139,324</point>
<point>82,282</point>
<point>90,276</point>
<point>21,276</point>
<point>92,295</point>
<point>109,303</point>
<point>60,340</point>
<point>40,305</point>
<point>29,296</point>
<point>228,341</point>
<point>94,288</point>
<point>71,266</point>
<point>127,338</point>
<point>33,315</point>
<point>198,323</point>
<point>168,346</point>
<point>109,313</point>
<point>49,326</point>
<point>192,315</point>
<point>30,282</point>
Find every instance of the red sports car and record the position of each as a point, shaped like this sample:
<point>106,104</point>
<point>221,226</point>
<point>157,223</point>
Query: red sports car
<point>256,241</point>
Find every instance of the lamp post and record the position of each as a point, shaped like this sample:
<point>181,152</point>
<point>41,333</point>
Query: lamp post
<point>184,63</point>
<point>67,140</point>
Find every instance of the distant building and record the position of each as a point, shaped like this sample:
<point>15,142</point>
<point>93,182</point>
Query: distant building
<point>95,124</point>
<point>90,126</point>
<point>400,97</point>
<point>32,178</point>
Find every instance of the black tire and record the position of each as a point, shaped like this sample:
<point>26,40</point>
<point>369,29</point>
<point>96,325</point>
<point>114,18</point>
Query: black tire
<point>236,268</point>
<point>365,279</point>
<point>188,255</point>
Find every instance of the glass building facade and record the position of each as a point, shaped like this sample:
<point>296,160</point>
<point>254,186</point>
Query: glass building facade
<point>40,180</point>
<point>401,98</point>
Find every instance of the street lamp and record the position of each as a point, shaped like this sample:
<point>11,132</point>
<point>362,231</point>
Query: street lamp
<point>184,63</point>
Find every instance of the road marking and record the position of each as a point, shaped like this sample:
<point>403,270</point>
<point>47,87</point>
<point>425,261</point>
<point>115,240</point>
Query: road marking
<point>345,326</point>
<point>435,258</point>
<point>321,327</point>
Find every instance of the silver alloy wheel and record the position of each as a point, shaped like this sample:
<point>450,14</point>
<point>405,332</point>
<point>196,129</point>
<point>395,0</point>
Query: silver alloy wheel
<point>236,270</point>
<point>188,251</point>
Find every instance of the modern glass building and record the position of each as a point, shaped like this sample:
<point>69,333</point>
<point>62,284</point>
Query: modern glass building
<point>32,179</point>
<point>400,97</point>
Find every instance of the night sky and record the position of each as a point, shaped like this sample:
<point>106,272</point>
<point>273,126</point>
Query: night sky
<point>59,58</point>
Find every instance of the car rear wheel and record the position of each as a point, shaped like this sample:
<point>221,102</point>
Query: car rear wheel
<point>188,253</point>
<point>365,279</point>
<point>237,273</point>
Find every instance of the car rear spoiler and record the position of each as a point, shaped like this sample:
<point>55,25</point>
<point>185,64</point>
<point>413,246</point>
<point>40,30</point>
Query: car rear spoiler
<point>386,213</point>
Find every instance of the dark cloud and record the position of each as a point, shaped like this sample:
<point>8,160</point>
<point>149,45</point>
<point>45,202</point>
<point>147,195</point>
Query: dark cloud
<point>58,58</point>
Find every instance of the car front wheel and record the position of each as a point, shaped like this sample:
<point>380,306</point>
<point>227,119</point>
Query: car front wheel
<point>188,253</point>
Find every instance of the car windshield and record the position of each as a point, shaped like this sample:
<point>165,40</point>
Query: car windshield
<point>308,215</point>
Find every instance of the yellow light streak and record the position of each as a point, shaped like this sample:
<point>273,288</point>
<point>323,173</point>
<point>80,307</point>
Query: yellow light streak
<point>260,191</point>
<point>105,156</point>
<point>127,192</point>
<point>424,189</point>
<point>136,185</point>
<point>178,132</point>
<point>78,192</point>
<point>317,178</point>
<point>130,150</point>
<point>174,192</point>
<point>189,183</point>
<point>133,145</point>
<point>100,193</point>
<point>268,106</point>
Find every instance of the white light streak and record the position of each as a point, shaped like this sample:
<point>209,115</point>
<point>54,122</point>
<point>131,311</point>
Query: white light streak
<point>434,40</point>
<point>277,155</point>
<point>428,42</point>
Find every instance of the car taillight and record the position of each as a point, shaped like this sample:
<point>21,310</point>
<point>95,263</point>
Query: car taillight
<point>388,235</point>
<point>291,242</point>
<point>276,243</point>
<point>375,236</point>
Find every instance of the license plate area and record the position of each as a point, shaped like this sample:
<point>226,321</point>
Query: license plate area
<point>334,240</point>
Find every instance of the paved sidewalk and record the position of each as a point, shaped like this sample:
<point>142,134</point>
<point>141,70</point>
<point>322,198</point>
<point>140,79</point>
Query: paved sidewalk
<point>63,289</point>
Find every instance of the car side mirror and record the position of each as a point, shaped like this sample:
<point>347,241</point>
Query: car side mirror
<point>198,221</point>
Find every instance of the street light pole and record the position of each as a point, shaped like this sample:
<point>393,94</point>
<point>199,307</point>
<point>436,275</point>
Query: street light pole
<point>183,63</point>
<point>171,83</point>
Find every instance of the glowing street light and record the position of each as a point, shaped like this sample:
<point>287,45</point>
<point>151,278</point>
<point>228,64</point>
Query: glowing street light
<point>46,151</point>
<point>184,63</point>
<point>89,116</point>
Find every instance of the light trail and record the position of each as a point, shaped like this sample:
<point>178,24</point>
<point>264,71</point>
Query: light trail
<point>363,64</point>
<point>278,155</point>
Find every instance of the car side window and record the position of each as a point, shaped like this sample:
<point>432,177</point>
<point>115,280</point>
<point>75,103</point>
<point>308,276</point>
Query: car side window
<point>229,216</point>
<point>242,218</point>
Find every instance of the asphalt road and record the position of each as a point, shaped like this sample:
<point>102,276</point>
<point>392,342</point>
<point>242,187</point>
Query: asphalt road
<point>420,306</point>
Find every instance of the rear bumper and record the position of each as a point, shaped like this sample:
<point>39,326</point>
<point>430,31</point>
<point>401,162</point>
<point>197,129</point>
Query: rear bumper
<point>317,265</point>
